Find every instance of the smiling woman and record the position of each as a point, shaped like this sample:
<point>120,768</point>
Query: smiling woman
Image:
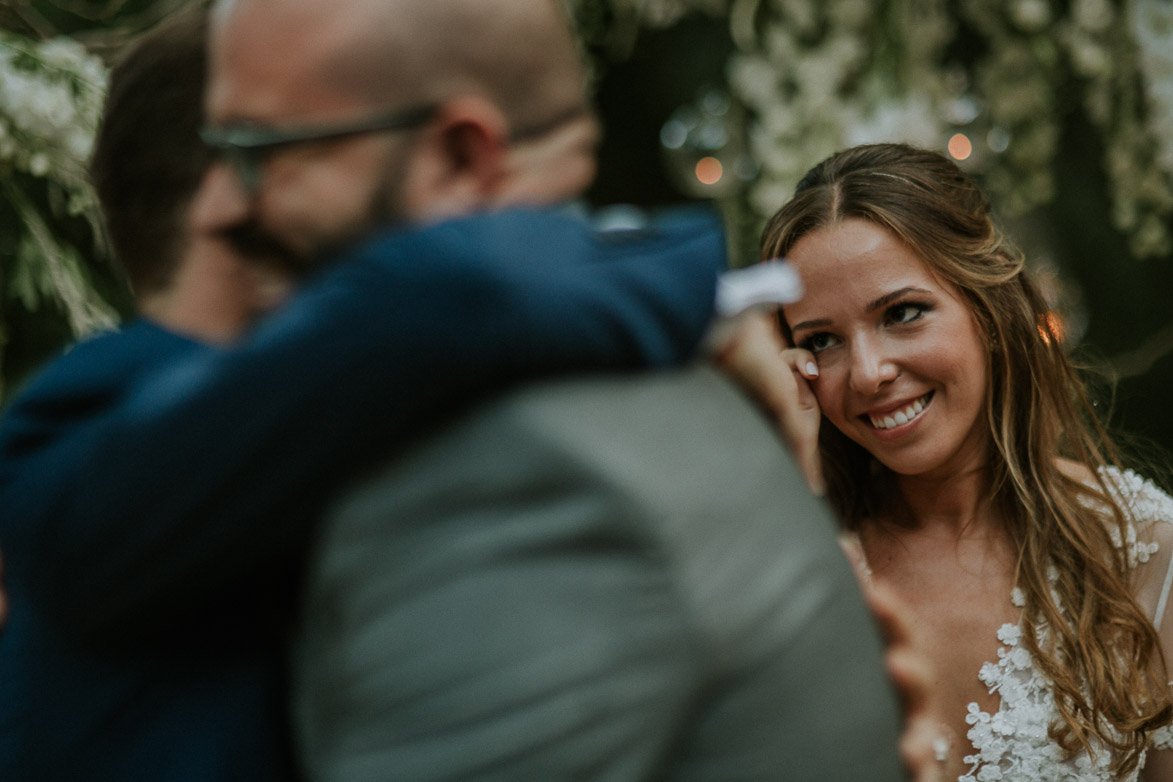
<point>972,476</point>
<point>896,348</point>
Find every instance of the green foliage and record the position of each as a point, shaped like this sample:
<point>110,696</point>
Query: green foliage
<point>54,261</point>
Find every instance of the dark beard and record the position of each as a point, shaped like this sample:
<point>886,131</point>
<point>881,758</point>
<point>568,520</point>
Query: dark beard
<point>385,209</point>
<point>256,244</point>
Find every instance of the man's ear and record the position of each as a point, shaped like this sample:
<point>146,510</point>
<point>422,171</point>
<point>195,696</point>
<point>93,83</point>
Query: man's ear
<point>459,163</point>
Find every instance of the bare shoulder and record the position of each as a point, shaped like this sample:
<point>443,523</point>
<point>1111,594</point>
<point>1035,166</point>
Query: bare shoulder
<point>1143,502</point>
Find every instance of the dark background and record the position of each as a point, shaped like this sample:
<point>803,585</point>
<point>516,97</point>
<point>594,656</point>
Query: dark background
<point>1124,302</point>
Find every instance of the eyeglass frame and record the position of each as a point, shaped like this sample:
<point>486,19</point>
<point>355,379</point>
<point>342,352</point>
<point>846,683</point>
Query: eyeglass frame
<point>245,147</point>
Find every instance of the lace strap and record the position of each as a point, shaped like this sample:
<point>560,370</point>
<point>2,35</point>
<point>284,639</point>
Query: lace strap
<point>1162,738</point>
<point>1160,613</point>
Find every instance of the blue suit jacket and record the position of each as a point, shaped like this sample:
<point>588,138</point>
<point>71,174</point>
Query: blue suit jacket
<point>157,495</point>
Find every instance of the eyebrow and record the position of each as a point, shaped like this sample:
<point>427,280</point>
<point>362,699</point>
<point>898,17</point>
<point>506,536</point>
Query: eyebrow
<point>888,298</point>
<point>872,306</point>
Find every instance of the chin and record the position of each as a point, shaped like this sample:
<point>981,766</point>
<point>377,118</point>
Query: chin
<point>927,467</point>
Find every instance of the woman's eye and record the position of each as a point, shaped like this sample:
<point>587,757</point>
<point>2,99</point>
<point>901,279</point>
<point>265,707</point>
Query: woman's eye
<point>816,343</point>
<point>906,313</point>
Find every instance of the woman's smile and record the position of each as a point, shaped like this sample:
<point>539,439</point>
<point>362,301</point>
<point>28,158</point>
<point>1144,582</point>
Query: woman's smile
<point>899,417</point>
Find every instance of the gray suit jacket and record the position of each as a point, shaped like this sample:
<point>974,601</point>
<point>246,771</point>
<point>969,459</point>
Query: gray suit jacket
<point>609,579</point>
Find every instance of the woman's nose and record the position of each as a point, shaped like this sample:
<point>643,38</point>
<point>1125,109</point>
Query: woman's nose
<point>872,367</point>
<point>220,202</point>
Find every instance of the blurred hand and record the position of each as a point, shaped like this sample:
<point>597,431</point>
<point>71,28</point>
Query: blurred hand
<point>749,348</point>
<point>929,752</point>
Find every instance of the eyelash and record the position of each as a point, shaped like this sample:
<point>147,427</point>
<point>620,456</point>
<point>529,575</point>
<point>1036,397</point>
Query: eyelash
<point>808,344</point>
<point>919,308</point>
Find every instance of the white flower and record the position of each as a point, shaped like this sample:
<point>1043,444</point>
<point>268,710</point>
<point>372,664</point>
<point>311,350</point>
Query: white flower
<point>912,121</point>
<point>1000,725</point>
<point>850,13</point>
<point>1019,658</point>
<point>801,14</point>
<point>1088,56</point>
<point>38,164</point>
<point>989,773</point>
<point>1031,16</point>
<point>1009,634</point>
<point>1151,24</point>
<point>755,80</point>
<point>1092,15</point>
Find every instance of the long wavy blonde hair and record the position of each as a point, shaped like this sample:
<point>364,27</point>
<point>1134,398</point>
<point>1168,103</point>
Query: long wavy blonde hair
<point>1100,650</point>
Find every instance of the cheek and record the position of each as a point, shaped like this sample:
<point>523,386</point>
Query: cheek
<point>829,391</point>
<point>289,192</point>
<point>316,194</point>
<point>961,361</point>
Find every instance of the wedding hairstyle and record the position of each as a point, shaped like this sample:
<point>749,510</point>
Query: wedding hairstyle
<point>1101,651</point>
<point>148,158</point>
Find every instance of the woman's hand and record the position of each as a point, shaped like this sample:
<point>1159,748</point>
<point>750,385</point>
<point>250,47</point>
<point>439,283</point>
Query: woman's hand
<point>750,349</point>
<point>929,751</point>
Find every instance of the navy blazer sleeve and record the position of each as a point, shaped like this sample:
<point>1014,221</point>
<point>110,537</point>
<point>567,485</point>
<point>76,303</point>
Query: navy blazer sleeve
<point>214,466</point>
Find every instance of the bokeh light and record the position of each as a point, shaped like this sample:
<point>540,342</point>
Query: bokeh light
<point>709,171</point>
<point>960,147</point>
<point>1051,326</point>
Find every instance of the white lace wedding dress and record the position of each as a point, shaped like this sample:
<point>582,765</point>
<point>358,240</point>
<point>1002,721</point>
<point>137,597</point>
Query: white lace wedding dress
<point>1011,745</point>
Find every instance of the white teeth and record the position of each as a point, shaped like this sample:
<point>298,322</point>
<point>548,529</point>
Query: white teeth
<point>900,417</point>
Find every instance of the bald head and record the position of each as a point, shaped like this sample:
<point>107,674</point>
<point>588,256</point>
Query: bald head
<point>520,54</point>
<point>496,87</point>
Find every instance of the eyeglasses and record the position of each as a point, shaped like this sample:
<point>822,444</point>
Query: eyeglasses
<point>549,124</point>
<point>245,147</point>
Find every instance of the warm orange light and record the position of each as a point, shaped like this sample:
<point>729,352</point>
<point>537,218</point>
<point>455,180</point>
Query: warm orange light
<point>1051,327</point>
<point>709,170</point>
<point>960,146</point>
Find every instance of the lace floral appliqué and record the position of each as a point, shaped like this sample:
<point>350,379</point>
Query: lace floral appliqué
<point>1012,744</point>
<point>1142,502</point>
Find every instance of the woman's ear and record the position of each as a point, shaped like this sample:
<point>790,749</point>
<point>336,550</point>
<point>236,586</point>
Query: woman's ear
<point>459,162</point>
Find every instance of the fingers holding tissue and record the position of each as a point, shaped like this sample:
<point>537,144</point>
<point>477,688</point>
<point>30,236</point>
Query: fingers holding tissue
<point>747,344</point>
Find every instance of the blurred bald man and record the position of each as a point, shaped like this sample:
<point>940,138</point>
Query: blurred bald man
<point>420,121</point>
<point>158,493</point>
<point>618,578</point>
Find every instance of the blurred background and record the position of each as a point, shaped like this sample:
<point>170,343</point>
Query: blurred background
<point>1063,110</point>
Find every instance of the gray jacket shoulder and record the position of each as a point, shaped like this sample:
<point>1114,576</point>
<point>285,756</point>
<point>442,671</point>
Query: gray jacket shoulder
<point>639,550</point>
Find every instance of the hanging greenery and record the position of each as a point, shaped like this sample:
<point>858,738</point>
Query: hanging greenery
<point>989,80</point>
<point>50,228</point>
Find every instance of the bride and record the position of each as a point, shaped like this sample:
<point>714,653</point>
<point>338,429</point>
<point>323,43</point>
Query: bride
<point>974,481</point>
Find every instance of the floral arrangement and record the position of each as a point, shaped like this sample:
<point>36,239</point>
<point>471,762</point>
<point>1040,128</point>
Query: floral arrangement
<point>51,96</point>
<point>989,80</point>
